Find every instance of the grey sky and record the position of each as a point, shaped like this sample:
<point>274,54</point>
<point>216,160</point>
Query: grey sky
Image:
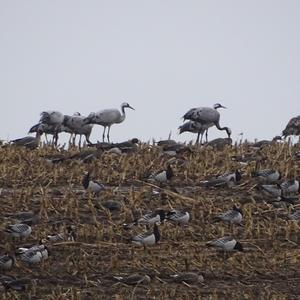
<point>162,57</point>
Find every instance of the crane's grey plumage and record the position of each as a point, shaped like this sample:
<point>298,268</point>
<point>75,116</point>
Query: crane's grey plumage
<point>76,126</point>
<point>206,116</point>
<point>107,118</point>
<point>292,128</point>
<point>195,127</point>
<point>54,118</point>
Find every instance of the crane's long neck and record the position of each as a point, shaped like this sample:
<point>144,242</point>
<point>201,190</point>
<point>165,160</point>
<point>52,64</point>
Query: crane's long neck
<point>123,114</point>
<point>222,128</point>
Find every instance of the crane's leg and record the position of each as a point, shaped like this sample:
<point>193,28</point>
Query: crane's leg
<point>103,135</point>
<point>55,139</point>
<point>197,140</point>
<point>80,140</point>
<point>108,133</point>
<point>206,135</point>
<point>74,139</point>
<point>201,138</point>
<point>70,139</point>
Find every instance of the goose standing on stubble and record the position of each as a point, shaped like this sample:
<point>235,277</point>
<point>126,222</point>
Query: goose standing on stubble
<point>292,128</point>
<point>107,118</point>
<point>206,116</point>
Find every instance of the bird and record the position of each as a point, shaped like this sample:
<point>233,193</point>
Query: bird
<point>26,217</point>
<point>297,155</point>
<point>90,185</point>
<point>271,190</point>
<point>233,216</point>
<point>68,235</point>
<point>48,129</point>
<point>206,116</point>
<point>32,256</point>
<point>35,248</point>
<point>76,125</point>
<point>15,284</point>
<point>53,118</point>
<point>187,277</point>
<point>18,230</point>
<point>295,215</point>
<point>29,142</point>
<point>134,279</point>
<point>178,216</point>
<point>147,238</point>
<point>195,127</point>
<point>290,187</point>
<point>107,118</point>
<point>267,175</point>
<point>158,215</point>
<point>6,262</point>
<point>225,179</point>
<point>292,128</point>
<point>219,143</point>
<point>163,176</point>
<point>225,244</point>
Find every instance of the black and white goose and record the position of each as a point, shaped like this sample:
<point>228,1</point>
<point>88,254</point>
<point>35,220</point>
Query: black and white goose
<point>163,176</point>
<point>225,179</point>
<point>267,175</point>
<point>226,244</point>
<point>6,262</point>
<point>295,215</point>
<point>157,216</point>
<point>92,186</point>
<point>270,190</point>
<point>32,256</point>
<point>290,187</point>
<point>35,248</point>
<point>18,230</point>
<point>147,238</point>
<point>178,216</point>
<point>232,216</point>
<point>134,279</point>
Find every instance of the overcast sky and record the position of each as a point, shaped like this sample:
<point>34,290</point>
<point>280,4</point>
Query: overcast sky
<point>162,57</point>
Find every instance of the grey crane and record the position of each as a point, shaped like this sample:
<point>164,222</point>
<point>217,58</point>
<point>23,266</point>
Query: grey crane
<point>76,126</point>
<point>292,127</point>
<point>107,118</point>
<point>54,118</point>
<point>49,129</point>
<point>206,115</point>
<point>195,127</point>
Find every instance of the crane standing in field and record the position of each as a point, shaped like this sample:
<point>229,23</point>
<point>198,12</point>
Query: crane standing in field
<point>55,119</point>
<point>206,116</point>
<point>107,117</point>
<point>195,127</point>
<point>292,128</point>
<point>76,126</point>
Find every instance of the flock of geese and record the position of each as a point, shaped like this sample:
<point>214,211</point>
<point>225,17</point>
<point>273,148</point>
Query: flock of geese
<point>199,120</point>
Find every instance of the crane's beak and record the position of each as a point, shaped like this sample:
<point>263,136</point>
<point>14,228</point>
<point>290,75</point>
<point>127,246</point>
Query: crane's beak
<point>223,106</point>
<point>130,107</point>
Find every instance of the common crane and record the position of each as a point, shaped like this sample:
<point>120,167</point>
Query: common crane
<point>76,126</point>
<point>292,128</point>
<point>206,115</point>
<point>195,127</point>
<point>54,118</point>
<point>107,118</point>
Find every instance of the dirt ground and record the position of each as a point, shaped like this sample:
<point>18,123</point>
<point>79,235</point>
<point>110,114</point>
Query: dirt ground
<point>269,268</point>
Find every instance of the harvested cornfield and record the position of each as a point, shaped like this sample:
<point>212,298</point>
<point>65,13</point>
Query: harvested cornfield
<point>268,268</point>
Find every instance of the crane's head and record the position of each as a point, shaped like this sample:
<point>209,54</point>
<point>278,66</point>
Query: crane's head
<point>126,105</point>
<point>218,105</point>
<point>89,119</point>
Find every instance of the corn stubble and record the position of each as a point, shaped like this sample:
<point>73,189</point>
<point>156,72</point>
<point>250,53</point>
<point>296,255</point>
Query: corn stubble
<point>84,268</point>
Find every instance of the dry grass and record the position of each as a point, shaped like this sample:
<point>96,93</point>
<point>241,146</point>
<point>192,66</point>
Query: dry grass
<point>269,269</point>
